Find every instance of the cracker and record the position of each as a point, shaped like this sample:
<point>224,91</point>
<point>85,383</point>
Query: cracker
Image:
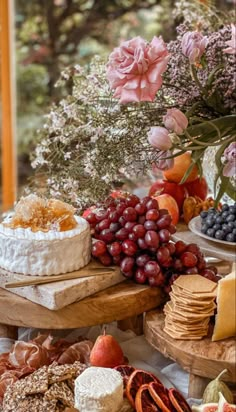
<point>71,384</point>
<point>30,403</point>
<point>37,382</point>
<point>195,329</point>
<point>59,373</point>
<point>178,307</point>
<point>61,391</point>
<point>195,284</point>
<point>181,336</point>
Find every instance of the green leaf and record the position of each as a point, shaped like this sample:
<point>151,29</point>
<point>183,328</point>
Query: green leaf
<point>187,173</point>
<point>207,132</point>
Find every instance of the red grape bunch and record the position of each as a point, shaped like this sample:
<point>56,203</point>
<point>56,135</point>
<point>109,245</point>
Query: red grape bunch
<point>136,235</point>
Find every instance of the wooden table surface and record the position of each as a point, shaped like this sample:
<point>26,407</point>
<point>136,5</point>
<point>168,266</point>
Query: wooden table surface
<point>118,302</point>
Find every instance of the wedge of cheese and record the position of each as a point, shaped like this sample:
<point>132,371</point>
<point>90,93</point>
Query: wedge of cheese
<point>225,322</point>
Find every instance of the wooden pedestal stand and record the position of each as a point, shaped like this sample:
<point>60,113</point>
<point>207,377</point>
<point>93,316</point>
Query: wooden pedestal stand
<point>203,359</point>
<point>123,303</point>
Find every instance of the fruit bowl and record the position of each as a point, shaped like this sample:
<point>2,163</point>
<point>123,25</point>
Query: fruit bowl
<point>195,227</point>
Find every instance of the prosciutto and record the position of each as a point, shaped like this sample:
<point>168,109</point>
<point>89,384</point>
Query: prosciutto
<point>25,357</point>
<point>78,351</point>
<point>29,354</point>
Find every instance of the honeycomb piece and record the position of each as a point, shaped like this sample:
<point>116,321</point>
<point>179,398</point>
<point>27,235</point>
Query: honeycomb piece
<point>42,215</point>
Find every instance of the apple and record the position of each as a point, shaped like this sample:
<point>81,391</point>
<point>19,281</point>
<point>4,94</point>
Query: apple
<point>161,187</point>
<point>169,203</point>
<point>197,188</point>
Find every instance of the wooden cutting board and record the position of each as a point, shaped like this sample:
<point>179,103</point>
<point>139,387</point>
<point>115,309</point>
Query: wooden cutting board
<point>200,357</point>
<point>57,295</point>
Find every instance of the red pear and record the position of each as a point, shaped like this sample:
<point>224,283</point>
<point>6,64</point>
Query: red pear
<point>106,352</point>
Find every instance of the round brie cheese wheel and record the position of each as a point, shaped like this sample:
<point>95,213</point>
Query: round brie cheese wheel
<point>99,390</point>
<point>45,253</point>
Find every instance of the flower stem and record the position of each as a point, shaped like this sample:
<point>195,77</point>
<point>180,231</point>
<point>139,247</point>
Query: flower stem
<point>196,79</point>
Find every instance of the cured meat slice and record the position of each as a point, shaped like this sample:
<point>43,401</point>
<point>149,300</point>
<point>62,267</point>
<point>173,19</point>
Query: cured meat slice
<point>79,351</point>
<point>28,353</point>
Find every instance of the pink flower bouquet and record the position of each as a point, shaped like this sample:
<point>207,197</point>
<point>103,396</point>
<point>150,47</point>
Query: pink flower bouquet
<point>147,103</point>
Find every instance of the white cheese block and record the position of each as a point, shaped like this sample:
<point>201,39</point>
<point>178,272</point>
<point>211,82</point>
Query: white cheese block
<point>45,253</point>
<point>225,322</point>
<point>99,390</point>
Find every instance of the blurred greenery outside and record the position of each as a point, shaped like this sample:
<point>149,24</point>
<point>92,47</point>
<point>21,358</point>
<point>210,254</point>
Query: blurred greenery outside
<point>52,34</point>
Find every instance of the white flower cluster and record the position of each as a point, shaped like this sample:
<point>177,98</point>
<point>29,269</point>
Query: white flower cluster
<point>90,142</point>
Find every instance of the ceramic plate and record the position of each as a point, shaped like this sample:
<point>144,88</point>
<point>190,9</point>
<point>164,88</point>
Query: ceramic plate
<point>195,227</point>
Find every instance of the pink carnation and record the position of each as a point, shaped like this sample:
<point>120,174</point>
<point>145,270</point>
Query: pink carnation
<point>134,69</point>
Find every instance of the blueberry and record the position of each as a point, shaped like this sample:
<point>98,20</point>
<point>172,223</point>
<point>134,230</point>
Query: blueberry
<point>225,228</point>
<point>209,222</point>
<point>204,228</point>
<point>216,226</point>
<point>203,214</point>
<point>211,210</point>
<point>225,214</point>
<point>220,234</point>
<point>234,231</point>
<point>210,232</point>
<point>219,219</point>
<point>230,218</point>
<point>232,209</point>
<point>225,207</point>
<point>231,225</point>
<point>231,237</point>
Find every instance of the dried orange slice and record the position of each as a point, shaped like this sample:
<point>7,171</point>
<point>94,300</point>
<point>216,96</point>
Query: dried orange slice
<point>178,401</point>
<point>137,379</point>
<point>160,395</point>
<point>125,371</point>
<point>143,400</point>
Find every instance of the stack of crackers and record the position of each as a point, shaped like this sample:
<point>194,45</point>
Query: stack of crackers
<point>190,308</point>
<point>49,389</point>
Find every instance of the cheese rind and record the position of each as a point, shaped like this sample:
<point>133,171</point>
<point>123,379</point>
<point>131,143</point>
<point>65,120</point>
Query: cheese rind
<point>99,390</point>
<point>45,253</point>
<point>225,324</point>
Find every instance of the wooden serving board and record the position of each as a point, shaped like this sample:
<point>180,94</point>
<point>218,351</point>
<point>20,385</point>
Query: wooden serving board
<point>114,303</point>
<point>201,357</point>
<point>57,295</point>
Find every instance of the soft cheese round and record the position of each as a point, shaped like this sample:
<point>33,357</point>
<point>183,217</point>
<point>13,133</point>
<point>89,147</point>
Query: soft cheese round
<point>99,390</point>
<point>45,253</point>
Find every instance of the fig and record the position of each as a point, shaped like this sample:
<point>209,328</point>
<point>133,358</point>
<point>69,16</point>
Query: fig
<point>221,406</point>
<point>207,407</point>
<point>106,352</point>
<point>211,393</point>
<point>224,406</point>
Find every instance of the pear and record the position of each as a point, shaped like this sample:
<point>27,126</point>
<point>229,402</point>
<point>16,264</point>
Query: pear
<point>106,352</point>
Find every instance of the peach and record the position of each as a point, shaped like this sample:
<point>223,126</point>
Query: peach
<point>181,165</point>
